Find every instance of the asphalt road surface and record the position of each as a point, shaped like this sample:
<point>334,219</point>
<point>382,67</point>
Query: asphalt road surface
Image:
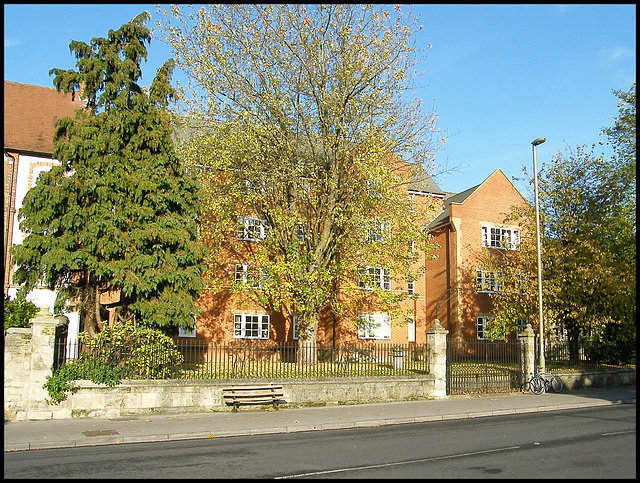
<point>585,443</point>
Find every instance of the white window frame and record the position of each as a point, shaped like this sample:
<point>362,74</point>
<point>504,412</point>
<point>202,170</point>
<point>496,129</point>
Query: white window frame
<point>411,287</point>
<point>248,186</point>
<point>376,276</point>
<point>250,275</point>
<point>559,331</point>
<point>250,228</point>
<point>251,326</point>
<point>373,188</point>
<point>377,231</point>
<point>481,326</point>
<point>295,327</point>
<point>374,326</point>
<point>301,232</point>
<point>521,283</point>
<point>411,329</point>
<point>489,281</point>
<point>184,332</point>
<point>500,238</point>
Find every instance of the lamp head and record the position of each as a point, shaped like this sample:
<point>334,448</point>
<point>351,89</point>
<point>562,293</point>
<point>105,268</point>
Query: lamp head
<point>535,142</point>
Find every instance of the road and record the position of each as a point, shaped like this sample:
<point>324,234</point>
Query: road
<point>586,443</point>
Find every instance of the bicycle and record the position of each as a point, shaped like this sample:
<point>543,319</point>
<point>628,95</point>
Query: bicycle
<point>535,385</point>
<point>543,381</point>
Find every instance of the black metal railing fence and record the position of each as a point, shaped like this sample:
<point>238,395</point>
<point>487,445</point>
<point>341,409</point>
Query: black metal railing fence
<point>558,354</point>
<point>250,359</point>
<point>483,366</point>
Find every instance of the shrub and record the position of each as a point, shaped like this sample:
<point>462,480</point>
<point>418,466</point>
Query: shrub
<point>18,312</point>
<point>118,352</point>
<point>614,344</point>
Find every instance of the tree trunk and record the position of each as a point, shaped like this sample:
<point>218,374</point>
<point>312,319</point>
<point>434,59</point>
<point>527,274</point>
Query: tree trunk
<point>574,346</point>
<point>97,308</point>
<point>87,312</point>
<point>90,307</point>
<point>307,341</point>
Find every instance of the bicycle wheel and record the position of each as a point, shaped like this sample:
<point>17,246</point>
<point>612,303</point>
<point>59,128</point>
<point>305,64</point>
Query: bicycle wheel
<point>556,384</point>
<point>536,385</point>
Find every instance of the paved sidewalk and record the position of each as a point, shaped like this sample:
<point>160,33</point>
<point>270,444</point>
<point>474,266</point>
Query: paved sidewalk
<point>25,435</point>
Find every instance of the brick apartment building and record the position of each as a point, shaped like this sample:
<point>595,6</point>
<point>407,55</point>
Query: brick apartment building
<point>466,224</point>
<point>471,223</point>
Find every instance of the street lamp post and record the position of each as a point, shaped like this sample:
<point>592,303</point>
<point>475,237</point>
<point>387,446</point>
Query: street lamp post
<point>541,363</point>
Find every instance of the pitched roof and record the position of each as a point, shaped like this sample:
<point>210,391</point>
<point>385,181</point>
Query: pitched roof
<point>443,217</point>
<point>30,114</point>
<point>421,181</point>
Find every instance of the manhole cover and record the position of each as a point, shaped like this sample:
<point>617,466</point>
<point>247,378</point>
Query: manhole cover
<point>104,432</point>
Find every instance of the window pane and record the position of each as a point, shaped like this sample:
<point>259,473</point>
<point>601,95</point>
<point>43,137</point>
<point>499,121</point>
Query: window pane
<point>411,330</point>
<point>385,332</point>
<point>480,328</point>
<point>240,272</point>
<point>374,327</point>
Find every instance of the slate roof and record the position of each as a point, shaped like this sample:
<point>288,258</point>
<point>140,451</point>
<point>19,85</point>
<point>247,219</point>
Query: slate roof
<point>443,217</point>
<point>421,181</point>
<point>30,113</point>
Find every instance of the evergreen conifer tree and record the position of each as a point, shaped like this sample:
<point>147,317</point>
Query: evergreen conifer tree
<point>120,213</point>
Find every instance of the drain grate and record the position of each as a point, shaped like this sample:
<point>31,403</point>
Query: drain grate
<point>104,432</point>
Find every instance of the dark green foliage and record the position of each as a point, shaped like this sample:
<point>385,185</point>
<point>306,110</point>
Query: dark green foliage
<point>18,311</point>
<point>120,212</point>
<point>614,344</point>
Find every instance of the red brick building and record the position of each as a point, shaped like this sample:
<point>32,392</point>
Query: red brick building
<point>472,222</point>
<point>468,224</point>
<point>227,316</point>
<point>464,226</point>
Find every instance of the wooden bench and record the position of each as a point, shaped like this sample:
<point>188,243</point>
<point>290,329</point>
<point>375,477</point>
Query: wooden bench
<point>267,394</point>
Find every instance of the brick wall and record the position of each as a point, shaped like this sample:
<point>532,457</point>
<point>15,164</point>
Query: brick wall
<point>461,252</point>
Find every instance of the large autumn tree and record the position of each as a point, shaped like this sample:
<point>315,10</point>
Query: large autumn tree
<point>119,213</point>
<point>308,142</point>
<point>588,211</point>
<point>589,205</point>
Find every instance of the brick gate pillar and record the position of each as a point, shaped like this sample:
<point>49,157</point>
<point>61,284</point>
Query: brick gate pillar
<point>437,353</point>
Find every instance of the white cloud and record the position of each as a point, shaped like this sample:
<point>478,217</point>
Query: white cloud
<point>11,43</point>
<point>615,54</point>
<point>561,9</point>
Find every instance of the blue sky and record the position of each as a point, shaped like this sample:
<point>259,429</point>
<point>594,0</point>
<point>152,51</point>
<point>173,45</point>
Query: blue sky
<point>500,76</point>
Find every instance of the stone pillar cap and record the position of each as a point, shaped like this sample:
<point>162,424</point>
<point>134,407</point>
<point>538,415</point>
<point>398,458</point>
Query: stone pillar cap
<point>436,328</point>
<point>45,317</point>
<point>528,330</point>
